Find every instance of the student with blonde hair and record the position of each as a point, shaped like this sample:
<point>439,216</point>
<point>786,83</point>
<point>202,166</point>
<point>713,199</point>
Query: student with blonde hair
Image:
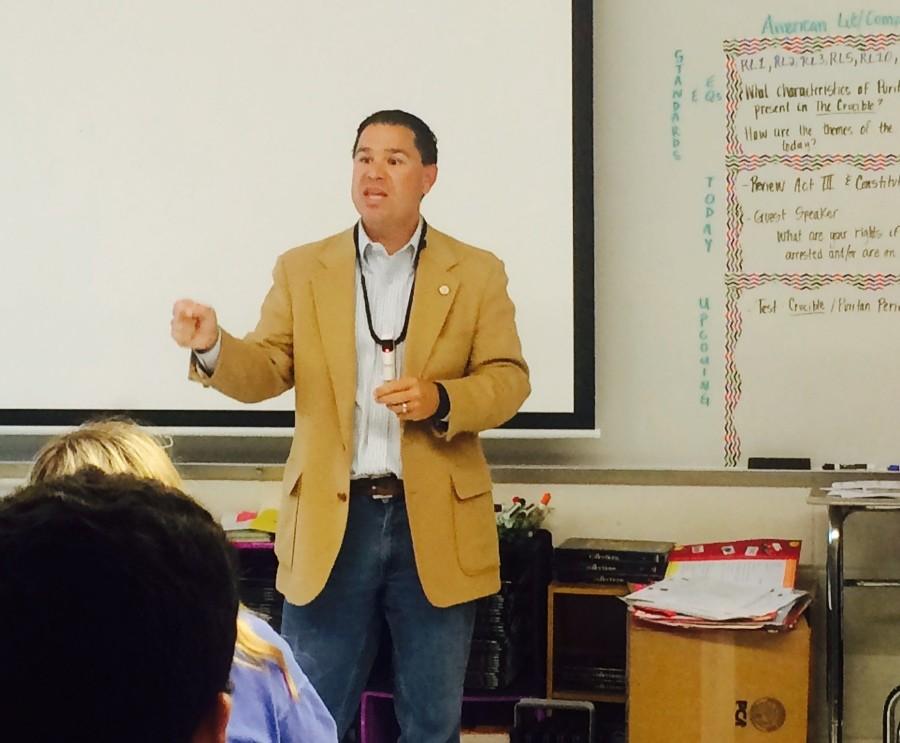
<point>272,700</point>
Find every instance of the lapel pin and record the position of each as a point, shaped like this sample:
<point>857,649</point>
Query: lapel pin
<point>444,289</point>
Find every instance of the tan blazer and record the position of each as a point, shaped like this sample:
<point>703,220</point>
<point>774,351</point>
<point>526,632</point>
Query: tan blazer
<point>465,338</point>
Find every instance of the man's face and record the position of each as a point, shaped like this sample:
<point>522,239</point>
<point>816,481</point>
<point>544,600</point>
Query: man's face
<point>389,179</point>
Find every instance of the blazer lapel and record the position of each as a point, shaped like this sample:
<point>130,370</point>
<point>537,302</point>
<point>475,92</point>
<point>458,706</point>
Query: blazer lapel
<point>335,300</point>
<point>436,289</point>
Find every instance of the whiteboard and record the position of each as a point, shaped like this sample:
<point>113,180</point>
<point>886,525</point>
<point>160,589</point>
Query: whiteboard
<point>156,150</point>
<point>748,235</point>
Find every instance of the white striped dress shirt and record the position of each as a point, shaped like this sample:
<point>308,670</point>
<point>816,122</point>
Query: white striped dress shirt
<point>389,281</point>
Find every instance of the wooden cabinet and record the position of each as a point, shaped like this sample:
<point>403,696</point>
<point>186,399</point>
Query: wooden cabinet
<point>586,642</point>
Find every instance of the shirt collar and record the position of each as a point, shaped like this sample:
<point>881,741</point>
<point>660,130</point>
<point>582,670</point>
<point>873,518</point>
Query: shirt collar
<point>368,246</point>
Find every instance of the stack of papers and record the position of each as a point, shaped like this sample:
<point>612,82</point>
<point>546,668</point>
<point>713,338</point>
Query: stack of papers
<point>689,602</point>
<point>865,489</point>
<point>735,585</point>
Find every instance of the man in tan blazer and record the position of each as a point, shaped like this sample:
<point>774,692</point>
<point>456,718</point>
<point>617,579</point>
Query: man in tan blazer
<point>400,344</point>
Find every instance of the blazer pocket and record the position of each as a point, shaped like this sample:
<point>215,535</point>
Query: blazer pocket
<point>477,547</point>
<point>286,528</point>
<point>469,482</point>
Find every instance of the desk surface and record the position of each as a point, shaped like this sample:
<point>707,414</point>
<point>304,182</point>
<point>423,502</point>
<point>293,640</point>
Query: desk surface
<point>868,504</point>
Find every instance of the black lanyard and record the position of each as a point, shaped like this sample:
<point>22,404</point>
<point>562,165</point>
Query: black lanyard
<point>388,344</point>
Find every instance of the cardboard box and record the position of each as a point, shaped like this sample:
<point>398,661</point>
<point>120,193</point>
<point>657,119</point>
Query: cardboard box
<point>717,686</point>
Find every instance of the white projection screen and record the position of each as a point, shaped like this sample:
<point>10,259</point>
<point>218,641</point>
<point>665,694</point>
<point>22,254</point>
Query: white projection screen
<point>156,150</point>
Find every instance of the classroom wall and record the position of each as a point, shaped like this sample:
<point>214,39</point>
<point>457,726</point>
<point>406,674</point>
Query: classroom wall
<point>628,414</point>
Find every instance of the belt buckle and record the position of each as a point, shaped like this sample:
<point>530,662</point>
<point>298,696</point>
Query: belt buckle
<point>382,493</point>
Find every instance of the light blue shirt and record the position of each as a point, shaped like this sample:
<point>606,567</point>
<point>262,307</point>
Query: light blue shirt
<point>389,282</point>
<point>262,709</point>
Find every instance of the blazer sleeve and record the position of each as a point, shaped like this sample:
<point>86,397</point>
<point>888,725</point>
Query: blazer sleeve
<point>496,381</point>
<point>260,365</point>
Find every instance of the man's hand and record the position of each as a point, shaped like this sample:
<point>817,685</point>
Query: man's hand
<point>194,325</point>
<point>410,399</point>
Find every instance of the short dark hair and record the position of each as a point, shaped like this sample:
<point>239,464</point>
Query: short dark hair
<point>119,602</point>
<point>426,142</point>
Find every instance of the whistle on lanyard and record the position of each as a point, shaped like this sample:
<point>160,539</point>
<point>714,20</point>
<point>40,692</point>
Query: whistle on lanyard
<point>388,371</point>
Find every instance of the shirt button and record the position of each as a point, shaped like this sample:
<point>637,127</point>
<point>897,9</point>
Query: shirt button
<point>342,496</point>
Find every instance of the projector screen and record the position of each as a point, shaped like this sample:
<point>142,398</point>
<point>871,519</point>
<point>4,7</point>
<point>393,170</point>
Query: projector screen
<point>168,149</point>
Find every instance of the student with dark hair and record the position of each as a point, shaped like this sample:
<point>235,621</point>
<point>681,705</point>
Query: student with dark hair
<point>400,343</point>
<point>119,602</point>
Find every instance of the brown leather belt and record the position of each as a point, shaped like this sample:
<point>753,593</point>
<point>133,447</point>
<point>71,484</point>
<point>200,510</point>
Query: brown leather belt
<point>380,488</point>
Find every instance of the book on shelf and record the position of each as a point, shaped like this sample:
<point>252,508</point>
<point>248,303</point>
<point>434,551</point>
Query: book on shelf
<point>615,550</point>
<point>650,569</point>
<point>251,529</point>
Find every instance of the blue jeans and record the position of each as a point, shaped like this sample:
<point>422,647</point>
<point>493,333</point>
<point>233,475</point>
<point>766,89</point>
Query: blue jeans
<point>335,637</point>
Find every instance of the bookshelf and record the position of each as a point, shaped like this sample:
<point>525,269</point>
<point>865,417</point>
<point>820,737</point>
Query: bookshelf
<point>585,630</point>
